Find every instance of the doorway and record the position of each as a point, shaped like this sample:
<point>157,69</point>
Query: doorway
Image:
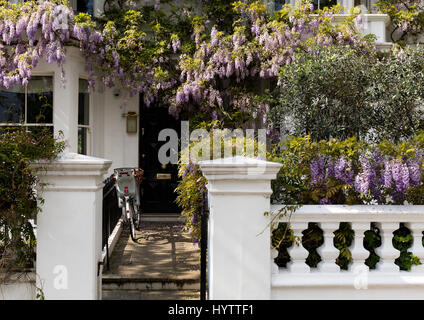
<point>159,182</point>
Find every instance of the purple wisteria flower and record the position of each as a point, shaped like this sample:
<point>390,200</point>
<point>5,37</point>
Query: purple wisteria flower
<point>414,172</point>
<point>317,170</point>
<point>343,171</point>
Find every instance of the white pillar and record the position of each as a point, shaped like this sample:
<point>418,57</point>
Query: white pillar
<point>239,233</point>
<point>65,110</point>
<point>69,228</point>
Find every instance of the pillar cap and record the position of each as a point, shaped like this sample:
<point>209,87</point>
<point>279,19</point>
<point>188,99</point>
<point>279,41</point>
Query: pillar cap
<point>72,164</point>
<point>239,168</point>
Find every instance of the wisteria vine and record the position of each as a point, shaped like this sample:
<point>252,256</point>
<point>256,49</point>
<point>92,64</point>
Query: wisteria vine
<point>32,31</point>
<point>259,46</point>
<point>193,67</point>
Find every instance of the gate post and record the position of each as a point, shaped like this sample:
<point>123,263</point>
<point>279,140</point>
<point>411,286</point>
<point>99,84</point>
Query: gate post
<point>239,249</point>
<point>69,227</point>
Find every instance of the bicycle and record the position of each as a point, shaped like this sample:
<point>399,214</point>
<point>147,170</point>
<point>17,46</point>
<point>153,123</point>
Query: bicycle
<point>127,186</point>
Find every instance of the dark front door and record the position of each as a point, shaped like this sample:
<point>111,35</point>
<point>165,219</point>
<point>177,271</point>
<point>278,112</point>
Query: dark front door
<point>160,181</point>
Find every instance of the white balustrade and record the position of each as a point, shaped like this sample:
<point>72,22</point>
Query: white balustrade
<point>327,281</point>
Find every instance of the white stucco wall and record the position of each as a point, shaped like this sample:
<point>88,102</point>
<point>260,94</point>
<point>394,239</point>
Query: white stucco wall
<point>118,145</point>
<point>108,137</point>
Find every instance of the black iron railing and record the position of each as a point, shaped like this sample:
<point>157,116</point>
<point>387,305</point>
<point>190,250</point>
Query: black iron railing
<point>204,246</point>
<point>111,213</point>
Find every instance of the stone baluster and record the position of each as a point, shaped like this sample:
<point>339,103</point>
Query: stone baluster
<point>297,252</point>
<point>328,251</point>
<point>274,266</point>
<point>386,251</point>
<point>359,253</point>
<point>417,248</point>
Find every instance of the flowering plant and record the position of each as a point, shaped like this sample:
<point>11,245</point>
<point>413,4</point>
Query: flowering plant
<point>351,172</point>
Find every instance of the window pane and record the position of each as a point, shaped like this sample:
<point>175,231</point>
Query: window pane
<point>12,104</point>
<point>278,4</point>
<point>85,6</point>
<point>82,141</point>
<point>83,103</point>
<point>320,4</point>
<point>40,100</point>
<point>365,3</point>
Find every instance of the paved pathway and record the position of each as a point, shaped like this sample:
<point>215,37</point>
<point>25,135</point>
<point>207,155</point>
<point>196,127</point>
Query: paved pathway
<point>163,264</point>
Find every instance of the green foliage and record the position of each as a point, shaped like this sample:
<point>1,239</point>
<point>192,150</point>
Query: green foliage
<point>292,185</point>
<point>338,93</point>
<point>18,198</point>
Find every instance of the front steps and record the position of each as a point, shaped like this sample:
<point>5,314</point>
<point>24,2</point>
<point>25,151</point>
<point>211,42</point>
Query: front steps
<point>120,288</point>
<point>163,264</point>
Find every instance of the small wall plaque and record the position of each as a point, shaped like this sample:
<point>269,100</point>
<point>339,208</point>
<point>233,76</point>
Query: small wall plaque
<point>163,176</point>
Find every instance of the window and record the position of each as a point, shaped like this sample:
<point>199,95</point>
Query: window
<point>365,3</point>
<point>279,4</point>
<point>30,106</point>
<point>86,6</point>
<point>320,4</point>
<point>83,118</point>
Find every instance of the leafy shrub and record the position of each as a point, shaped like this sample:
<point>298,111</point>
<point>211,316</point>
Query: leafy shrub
<point>337,92</point>
<point>18,198</point>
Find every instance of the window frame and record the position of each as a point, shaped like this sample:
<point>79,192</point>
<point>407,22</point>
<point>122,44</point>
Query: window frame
<point>89,126</point>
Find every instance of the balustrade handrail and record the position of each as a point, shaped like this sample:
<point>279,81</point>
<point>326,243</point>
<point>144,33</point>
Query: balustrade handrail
<point>352,213</point>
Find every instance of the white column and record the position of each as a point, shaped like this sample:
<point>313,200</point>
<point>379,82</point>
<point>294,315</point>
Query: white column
<point>359,253</point>
<point>297,252</point>
<point>239,232</point>
<point>69,228</point>
<point>328,251</point>
<point>386,251</point>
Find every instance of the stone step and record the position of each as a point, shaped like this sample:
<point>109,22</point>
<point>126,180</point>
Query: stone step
<point>150,295</point>
<point>161,217</point>
<point>149,284</point>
